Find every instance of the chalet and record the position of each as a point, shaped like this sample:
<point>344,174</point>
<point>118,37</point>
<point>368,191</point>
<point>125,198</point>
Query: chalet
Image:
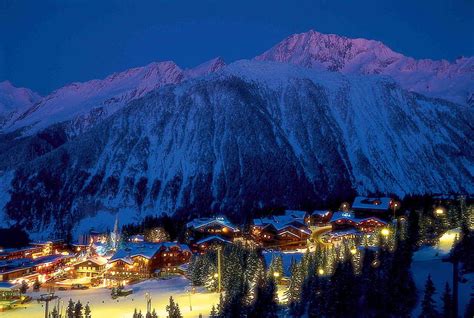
<point>380,207</point>
<point>17,253</point>
<point>16,269</point>
<point>347,220</point>
<point>206,243</point>
<point>92,267</point>
<point>50,247</point>
<point>138,238</point>
<point>203,227</point>
<point>141,260</point>
<point>286,231</point>
<point>337,236</point>
<point>80,247</point>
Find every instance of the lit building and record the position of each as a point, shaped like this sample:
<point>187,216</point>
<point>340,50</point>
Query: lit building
<point>92,267</point>
<point>379,207</point>
<point>142,260</point>
<point>288,231</point>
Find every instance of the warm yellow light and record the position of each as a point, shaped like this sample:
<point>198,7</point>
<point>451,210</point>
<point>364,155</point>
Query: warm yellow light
<point>385,232</point>
<point>216,275</point>
<point>321,271</point>
<point>276,274</point>
<point>439,211</point>
<point>353,250</point>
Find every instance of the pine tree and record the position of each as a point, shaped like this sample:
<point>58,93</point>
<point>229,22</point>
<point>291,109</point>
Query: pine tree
<point>428,307</point>
<point>213,313</point>
<point>447,302</point>
<point>294,289</point>
<point>70,309</point>
<point>78,310</point>
<point>173,309</point>
<point>54,313</point>
<point>345,288</point>
<point>276,266</point>
<point>87,311</point>
<point>469,313</point>
<point>265,304</point>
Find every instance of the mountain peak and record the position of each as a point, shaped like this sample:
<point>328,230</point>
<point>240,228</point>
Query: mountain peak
<point>442,79</point>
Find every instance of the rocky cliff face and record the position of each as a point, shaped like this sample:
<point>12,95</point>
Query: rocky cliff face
<point>249,136</point>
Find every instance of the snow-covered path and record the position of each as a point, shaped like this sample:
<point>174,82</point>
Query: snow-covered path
<point>103,306</point>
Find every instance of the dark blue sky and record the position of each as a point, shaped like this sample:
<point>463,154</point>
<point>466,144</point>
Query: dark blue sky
<point>47,44</point>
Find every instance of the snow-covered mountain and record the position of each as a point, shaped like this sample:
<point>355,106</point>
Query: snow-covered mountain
<point>84,104</point>
<point>453,81</point>
<point>14,100</point>
<point>251,135</point>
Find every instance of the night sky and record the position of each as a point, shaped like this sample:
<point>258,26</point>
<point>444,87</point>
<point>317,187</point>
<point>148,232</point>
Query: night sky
<point>47,44</point>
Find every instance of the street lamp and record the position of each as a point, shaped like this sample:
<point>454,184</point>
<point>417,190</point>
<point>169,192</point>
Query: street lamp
<point>385,232</point>
<point>321,271</point>
<point>395,206</point>
<point>439,211</point>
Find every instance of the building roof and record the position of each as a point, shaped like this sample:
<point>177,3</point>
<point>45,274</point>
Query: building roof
<point>365,203</point>
<point>8,286</point>
<point>339,215</point>
<point>202,222</point>
<point>147,250</point>
<point>212,238</point>
<point>290,218</point>
<point>334,234</point>
<point>100,261</point>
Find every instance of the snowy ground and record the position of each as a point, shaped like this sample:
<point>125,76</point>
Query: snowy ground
<point>103,306</point>
<point>428,261</point>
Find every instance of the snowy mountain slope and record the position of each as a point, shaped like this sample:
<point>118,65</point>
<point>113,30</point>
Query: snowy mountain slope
<point>252,135</point>
<point>452,81</point>
<point>84,104</point>
<point>14,100</point>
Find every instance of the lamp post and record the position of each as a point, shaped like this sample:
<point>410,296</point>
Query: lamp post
<point>395,206</point>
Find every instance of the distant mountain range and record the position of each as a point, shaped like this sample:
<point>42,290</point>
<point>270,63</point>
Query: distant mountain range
<point>314,119</point>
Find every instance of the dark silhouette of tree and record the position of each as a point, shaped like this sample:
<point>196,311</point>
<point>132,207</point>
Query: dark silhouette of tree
<point>428,307</point>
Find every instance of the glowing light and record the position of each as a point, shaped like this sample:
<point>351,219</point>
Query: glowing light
<point>439,211</point>
<point>385,232</point>
<point>216,275</point>
<point>353,250</point>
<point>276,274</point>
<point>321,271</point>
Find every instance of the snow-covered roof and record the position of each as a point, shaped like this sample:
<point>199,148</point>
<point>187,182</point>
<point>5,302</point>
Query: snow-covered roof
<point>339,215</point>
<point>334,234</point>
<point>198,223</point>
<point>365,203</point>
<point>147,250</point>
<point>212,238</point>
<point>290,218</point>
<point>96,260</point>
